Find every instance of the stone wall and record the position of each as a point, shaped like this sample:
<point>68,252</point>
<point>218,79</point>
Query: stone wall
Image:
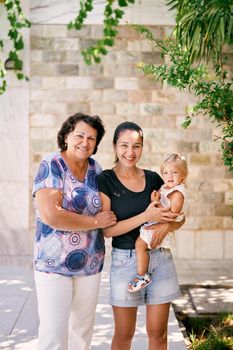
<point>61,84</point>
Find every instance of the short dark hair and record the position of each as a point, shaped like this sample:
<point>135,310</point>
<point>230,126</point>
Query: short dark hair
<point>125,126</point>
<point>69,125</point>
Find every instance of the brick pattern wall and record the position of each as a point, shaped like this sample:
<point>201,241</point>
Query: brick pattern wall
<point>61,84</point>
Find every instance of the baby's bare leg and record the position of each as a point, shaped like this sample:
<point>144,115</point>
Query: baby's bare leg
<point>142,256</point>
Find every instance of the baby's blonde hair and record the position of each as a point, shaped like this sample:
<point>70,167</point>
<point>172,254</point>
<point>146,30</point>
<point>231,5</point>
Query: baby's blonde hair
<point>180,161</point>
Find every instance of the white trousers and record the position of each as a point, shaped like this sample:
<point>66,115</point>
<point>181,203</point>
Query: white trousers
<point>66,307</point>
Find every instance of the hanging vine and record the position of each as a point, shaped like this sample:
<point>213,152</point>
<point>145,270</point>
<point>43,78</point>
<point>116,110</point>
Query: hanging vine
<point>112,14</point>
<point>17,21</point>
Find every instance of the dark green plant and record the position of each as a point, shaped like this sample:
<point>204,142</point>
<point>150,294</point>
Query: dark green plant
<point>17,21</point>
<point>217,333</point>
<point>215,95</point>
<point>203,26</point>
<point>112,14</point>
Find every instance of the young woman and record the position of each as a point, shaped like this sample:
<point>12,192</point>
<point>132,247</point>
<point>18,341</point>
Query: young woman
<point>69,247</point>
<point>126,190</point>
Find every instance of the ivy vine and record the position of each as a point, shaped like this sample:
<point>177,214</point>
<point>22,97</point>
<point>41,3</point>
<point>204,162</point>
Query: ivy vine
<point>112,14</point>
<point>17,21</point>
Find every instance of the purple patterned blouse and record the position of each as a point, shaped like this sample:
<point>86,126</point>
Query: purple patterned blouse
<point>70,253</point>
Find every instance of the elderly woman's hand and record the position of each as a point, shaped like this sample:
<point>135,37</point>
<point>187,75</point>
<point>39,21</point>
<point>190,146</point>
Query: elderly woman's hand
<point>105,219</point>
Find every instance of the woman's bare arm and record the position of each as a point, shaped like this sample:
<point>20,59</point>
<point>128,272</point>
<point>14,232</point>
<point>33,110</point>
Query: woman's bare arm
<point>49,203</point>
<point>124,226</point>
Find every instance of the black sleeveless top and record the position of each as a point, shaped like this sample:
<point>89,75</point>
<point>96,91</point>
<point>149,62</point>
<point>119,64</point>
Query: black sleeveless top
<point>126,203</point>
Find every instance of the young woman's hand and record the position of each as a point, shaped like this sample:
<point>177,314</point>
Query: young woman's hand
<point>159,214</point>
<point>105,219</point>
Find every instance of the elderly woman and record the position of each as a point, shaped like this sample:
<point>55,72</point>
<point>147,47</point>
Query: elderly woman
<point>69,246</point>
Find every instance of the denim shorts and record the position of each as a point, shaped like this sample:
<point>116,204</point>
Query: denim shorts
<point>163,289</point>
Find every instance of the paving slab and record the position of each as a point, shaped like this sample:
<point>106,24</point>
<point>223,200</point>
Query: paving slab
<point>19,318</point>
<point>209,301</point>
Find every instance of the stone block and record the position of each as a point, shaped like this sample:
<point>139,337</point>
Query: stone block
<point>41,43</point>
<point>53,83</point>
<point>36,82</point>
<point>215,171</point>
<point>43,69</point>
<point>151,109</point>
<point>36,158</point>
<point>93,70</point>
<point>209,147</point>
<point>204,223</point>
<point>228,223</point>
<point>36,133</point>
<point>217,157</point>
<point>37,30</point>
<point>199,159</point>
<point>85,32</point>
<point>187,147</point>
<point>127,109</point>
<point>198,135</point>
<point>223,210</point>
<point>126,84</point>
<point>114,96</point>
<point>49,134</point>
<point>42,120</point>
<point>79,82</point>
<point>200,209</point>
<point>151,58</point>
<point>141,46</point>
<point>100,108</point>
<point>54,108</point>
<point>155,121</point>
<point>73,56</point>
<point>228,243</point>
<point>103,83</point>
<point>120,45</point>
<point>36,56</point>
<point>96,32</point>
<point>73,108</point>
<point>86,43</point>
<point>42,146</point>
<point>65,44</point>
<point>213,197</point>
<point>55,31</point>
<point>229,197</point>
<point>137,96</point>
<point>54,56</point>
<point>185,244</point>
<point>125,32</point>
<point>148,84</point>
<point>120,70</point>
<point>35,107</point>
<point>209,244</point>
<point>127,57</point>
<point>223,185</point>
<point>67,69</point>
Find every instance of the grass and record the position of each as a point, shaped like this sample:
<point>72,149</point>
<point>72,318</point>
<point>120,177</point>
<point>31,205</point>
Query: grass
<point>208,333</point>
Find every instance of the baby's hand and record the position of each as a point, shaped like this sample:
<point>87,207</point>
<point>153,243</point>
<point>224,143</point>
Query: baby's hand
<point>155,197</point>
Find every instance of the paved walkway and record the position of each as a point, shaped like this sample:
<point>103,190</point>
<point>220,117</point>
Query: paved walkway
<point>19,319</point>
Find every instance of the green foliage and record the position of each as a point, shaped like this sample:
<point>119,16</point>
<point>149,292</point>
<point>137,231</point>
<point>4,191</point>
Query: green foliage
<point>214,91</point>
<point>203,26</point>
<point>17,21</point>
<point>112,16</point>
<point>209,334</point>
